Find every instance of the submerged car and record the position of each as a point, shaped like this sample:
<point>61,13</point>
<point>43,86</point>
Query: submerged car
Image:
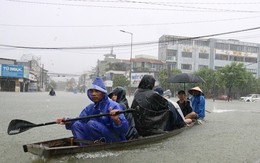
<point>251,98</point>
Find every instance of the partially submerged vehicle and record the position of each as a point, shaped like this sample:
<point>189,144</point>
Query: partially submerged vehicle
<point>251,98</point>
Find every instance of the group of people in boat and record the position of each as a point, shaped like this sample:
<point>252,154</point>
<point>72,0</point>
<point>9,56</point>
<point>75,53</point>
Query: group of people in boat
<point>154,112</point>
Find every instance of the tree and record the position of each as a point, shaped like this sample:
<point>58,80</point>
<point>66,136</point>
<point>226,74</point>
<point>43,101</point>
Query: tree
<point>52,84</point>
<point>120,80</point>
<point>236,79</point>
<point>232,80</point>
<point>209,76</point>
<point>71,85</point>
<point>164,75</point>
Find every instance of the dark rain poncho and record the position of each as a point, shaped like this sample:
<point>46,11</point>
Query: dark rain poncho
<point>121,99</point>
<point>152,109</point>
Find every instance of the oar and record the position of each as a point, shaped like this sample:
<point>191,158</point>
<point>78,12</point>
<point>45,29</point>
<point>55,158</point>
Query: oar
<point>17,126</point>
<point>207,111</point>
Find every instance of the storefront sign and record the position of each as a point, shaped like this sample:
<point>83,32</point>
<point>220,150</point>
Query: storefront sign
<point>108,83</point>
<point>136,78</point>
<point>15,71</point>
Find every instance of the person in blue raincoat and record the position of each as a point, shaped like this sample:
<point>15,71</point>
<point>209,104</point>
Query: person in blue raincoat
<point>198,102</point>
<point>106,128</point>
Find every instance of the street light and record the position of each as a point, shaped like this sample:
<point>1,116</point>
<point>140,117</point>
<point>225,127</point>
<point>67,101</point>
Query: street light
<point>130,55</point>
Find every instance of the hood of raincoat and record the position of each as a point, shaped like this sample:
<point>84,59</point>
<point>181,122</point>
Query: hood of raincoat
<point>119,92</point>
<point>99,85</point>
<point>147,82</point>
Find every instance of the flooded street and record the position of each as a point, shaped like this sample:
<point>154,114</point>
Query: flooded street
<point>230,134</point>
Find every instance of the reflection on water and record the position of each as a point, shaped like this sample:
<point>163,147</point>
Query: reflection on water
<point>221,111</point>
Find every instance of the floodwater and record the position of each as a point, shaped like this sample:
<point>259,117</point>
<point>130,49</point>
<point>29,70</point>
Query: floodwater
<point>230,134</point>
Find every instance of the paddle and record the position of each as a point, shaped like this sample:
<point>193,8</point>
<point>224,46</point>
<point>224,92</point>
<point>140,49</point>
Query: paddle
<point>207,111</point>
<point>17,126</point>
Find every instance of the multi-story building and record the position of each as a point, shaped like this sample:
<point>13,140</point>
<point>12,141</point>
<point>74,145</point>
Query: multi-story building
<point>190,55</point>
<point>140,65</point>
<point>110,62</point>
<point>147,63</point>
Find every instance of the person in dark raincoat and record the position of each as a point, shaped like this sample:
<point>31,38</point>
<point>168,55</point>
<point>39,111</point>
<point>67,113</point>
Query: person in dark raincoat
<point>106,128</point>
<point>52,92</point>
<point>152,115</point>
<point>118,94</point>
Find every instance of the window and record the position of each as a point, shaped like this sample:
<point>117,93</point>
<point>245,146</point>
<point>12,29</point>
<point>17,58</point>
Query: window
<point>204,55</point>
<point>186,66</point>
<point>218,67</point>
<point>222,46</point>
<point>203,66</point>
<point>236,47</point>
<point>187,54</point>
<point>221,57</point>
<point>250,59</point>
<point>251,49</point>
<point>236,58</point>
<point>201,43</point>
<point>171,55</point>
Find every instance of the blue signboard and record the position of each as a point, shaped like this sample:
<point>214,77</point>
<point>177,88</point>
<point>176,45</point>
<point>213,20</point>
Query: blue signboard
<point>15,71</point>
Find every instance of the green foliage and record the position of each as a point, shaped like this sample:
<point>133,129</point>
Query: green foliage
<point>164,75</point>
<point>71,85</point>
<point>209,77</point>
<point>233,80</point>
<point>120,80</point>
<point>52,84</point>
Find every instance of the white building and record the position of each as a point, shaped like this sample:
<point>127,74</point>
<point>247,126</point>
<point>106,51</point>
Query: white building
<point>190,55</point>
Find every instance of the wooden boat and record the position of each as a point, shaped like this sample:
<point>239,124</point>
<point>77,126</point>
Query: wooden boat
<point>66,146</point>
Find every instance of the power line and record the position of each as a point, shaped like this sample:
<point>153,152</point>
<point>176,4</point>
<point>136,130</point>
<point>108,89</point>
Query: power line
<point>123,45</point>
<point>127,25</point>
<point>170,2</point>
<point>180,6</point>
<point>197,9</point>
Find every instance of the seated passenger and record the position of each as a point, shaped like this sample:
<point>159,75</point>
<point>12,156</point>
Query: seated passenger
<point>107,128</point>
<point>118,94</point>
<point>153,115</point>
<point>178,117</point>
<point>198,103</point>
<point>185,106</point>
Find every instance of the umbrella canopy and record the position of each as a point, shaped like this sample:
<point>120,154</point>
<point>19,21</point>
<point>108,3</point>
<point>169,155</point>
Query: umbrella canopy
<point>185,78</point>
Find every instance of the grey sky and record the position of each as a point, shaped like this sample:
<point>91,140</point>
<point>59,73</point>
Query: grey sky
<point>87,23</point>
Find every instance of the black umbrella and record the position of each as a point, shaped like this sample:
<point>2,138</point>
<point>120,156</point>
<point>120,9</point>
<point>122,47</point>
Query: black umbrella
<point>185,78</point>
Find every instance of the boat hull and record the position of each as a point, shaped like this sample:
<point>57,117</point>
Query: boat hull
<point>64,146</point>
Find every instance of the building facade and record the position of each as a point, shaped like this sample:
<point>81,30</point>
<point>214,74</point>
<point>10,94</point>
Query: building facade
<point>22,76</point>
<point>190,55</point>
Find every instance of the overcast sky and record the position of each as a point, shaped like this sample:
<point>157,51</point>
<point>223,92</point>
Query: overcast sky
<point>89,24</point>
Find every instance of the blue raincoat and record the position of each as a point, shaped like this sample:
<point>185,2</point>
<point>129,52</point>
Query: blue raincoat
<point>101,128</point>
<point>198,105</point>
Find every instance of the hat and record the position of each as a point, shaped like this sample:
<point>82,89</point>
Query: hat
<point>195,89</point>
